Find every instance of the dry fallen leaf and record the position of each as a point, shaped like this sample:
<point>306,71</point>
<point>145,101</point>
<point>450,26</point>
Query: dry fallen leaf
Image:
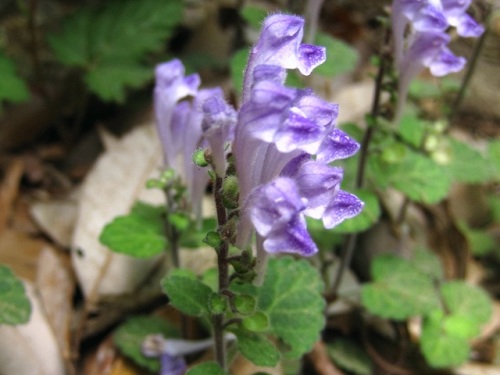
<point>55,285</point>
<point>115,182</point>
<point>31,348</point>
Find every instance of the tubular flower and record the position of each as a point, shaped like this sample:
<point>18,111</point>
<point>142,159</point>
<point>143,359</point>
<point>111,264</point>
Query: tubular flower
<point>280,130</point>
<point>178,122</point>
<point>426,44</point>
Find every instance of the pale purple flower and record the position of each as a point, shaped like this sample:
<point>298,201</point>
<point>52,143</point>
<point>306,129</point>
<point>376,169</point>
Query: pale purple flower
<point>280,44</point>
<point>218,128</point>
<point>178,122</point>
<point>420,39</point>
<point>278,133</point>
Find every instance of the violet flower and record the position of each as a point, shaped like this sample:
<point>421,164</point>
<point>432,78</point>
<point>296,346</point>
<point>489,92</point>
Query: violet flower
<point>426,43</point>
<point>284,139</point>
<point>178,122</point>
<point>172,351</point>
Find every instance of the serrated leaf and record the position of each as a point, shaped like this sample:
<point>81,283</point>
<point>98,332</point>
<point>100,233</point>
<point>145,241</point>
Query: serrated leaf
<point>139,234</point>
<point>108,81</point>
<point>257,349</point>
<point>418,177</point>
<point>129,337</point>
<point>367,217</point>
<point>206,368</point>
<point>15,306</point>
<point>341,57</point>
<point>468,165</point>
<point>399,289</point>
<point>350,356</point>
<point>467,300</point>
<point>12,87</point>
<point>110,44</point>
<point>70,45</point>
<point>291,297</point>
<point>190,296</point>
<point>441,349</point>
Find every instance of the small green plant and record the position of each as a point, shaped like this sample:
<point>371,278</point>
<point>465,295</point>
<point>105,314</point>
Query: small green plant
<point>452,310</point>
<point>15,306</point>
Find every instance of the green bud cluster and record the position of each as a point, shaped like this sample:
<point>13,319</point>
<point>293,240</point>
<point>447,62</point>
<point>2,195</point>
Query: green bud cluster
<point>230,192</point>
<point>244,266</point>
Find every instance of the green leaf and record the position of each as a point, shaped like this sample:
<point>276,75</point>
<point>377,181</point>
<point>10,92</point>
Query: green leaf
<point>109,81</point>
<point>420,89</point>
<point>493,155</point>
<point>257,349</point>
<point>194,238</point>
<point>350,356</point>
<point>192,297</point>
<point>441,349</point>
<point>399,289</point>
<point>256,322</point>
<point>418,177</point>
<point>412,129</point>
<point>238,63</point>
<point>341,57</point>
<point>15,306</point>
<point>12,87</point>
<point>367,217</point>
<point>428,263</point>
<point>481,242</point>
<point>206,368</point>
<point>467,300</point>
<point>468,165</point>
<point>254,15</point>
<point>291,297</point>
<point>110,44</point>
<point>245,303</point>
<point>139,234</point>
<point>129,337</point>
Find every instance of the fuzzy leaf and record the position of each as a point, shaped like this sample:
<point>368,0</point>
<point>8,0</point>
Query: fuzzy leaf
<point>139,234</point>
<point>257,349</point>
<point>206,368</point>
<point>15,306</point>
<point>342,58</point>
<point>399,290</point>
<point>350,357</point>
<point>441,349</point>
<point>129,337</point>
<point>412,129</point>
<point>189,295</point>
<point>467,300</point>
<point>468,165</point>
<point>418,177</point>
<point>12,87</point>
<point>428,263</point>
<point>291,297</point>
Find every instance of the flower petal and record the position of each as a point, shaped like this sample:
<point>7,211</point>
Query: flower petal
<point>343,207</point>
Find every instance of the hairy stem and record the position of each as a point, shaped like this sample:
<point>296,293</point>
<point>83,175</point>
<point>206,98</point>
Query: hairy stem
<point>223,267</point>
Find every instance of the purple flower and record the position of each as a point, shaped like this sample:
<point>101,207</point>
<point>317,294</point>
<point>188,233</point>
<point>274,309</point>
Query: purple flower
<point>178,122</point>
<point>218,128</point>
<point>278,133</point>
<point>426,43</point>
<point>276,211</point>
<point>280,44</point>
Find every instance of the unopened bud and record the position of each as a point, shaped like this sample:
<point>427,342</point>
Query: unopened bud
<point>199,158</point>
<point>230,192</point>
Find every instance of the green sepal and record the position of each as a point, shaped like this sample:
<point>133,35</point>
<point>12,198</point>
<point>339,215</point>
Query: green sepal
<point>230,192</point>
<point>218,304</point>
<point>257,322</point>
<point>244,303</point>
<point>199,158</point>
<point>213,239</point>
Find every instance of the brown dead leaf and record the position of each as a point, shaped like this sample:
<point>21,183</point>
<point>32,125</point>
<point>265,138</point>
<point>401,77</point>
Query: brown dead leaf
<point>56,284</point>
<point>20,252</point>
<point>9,190</point>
